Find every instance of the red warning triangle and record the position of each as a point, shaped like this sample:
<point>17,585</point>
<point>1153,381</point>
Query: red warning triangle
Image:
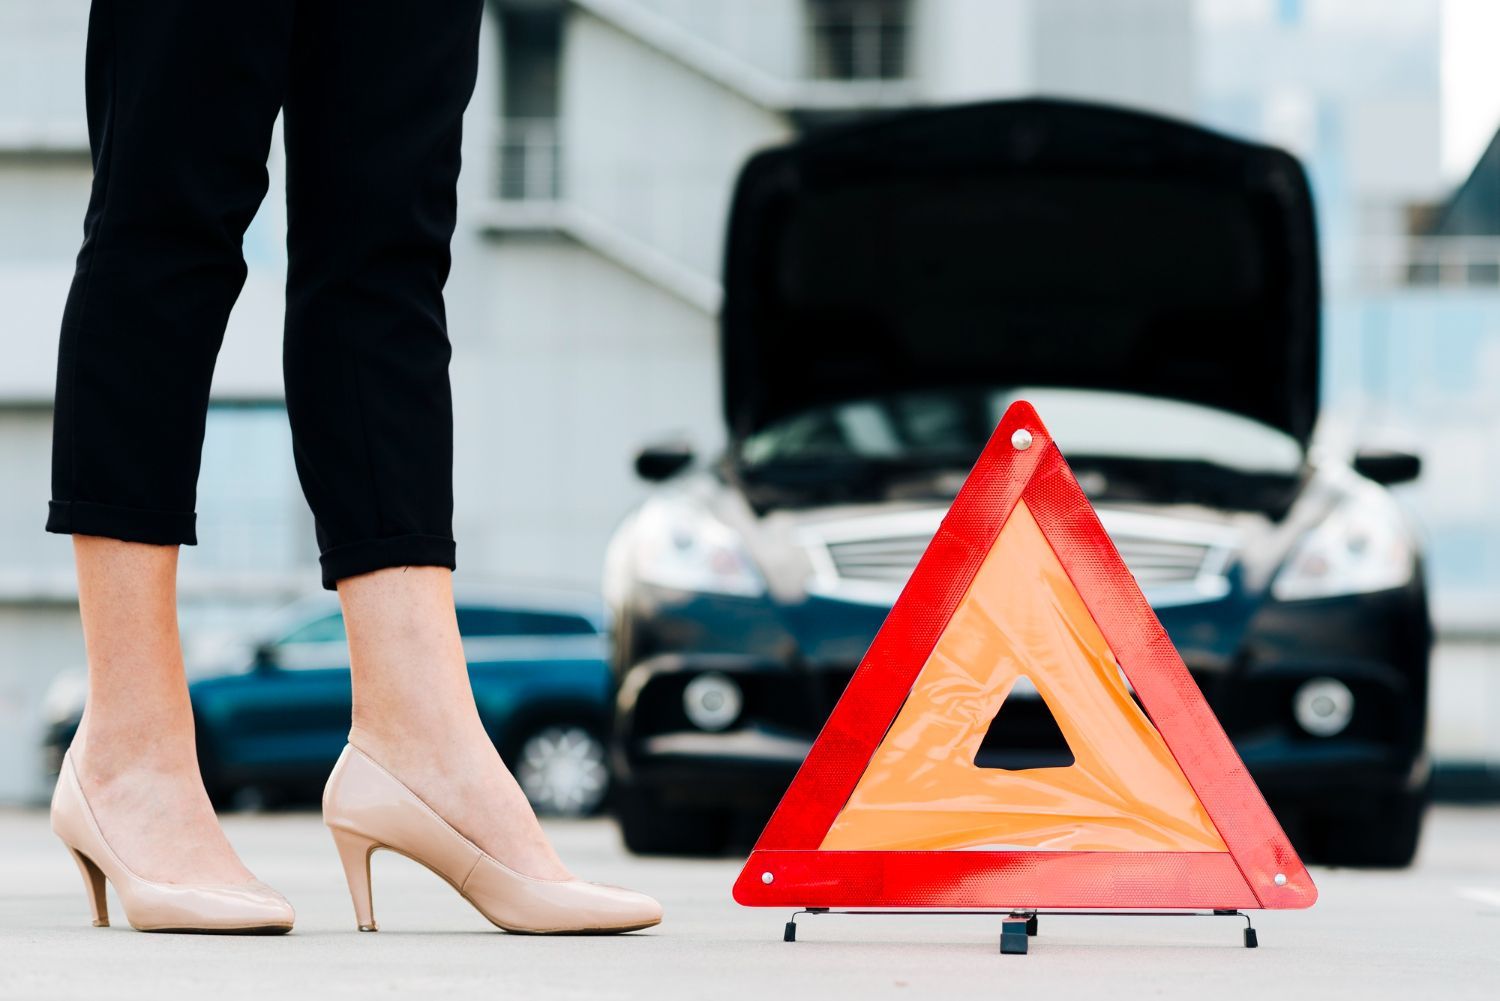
<point>1021,582</point>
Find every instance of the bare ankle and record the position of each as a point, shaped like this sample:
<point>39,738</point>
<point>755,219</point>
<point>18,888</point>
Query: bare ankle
<point>107,749</point>
<point>368,737</point>
<point>415,725</point>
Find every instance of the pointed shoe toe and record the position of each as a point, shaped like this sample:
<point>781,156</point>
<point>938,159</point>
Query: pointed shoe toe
<point>520,903</point>
<point>248,908</point>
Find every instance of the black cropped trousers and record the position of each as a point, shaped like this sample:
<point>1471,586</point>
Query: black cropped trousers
<point>182,96</point>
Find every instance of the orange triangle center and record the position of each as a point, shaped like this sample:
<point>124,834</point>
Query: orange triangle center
<point>1022,617</point>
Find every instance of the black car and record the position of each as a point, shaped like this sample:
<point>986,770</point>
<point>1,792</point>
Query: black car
<point>890,287</point>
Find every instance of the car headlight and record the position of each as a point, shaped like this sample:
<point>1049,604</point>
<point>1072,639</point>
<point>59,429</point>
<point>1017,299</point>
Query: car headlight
<point>680,545</point>
<point>1323,706</point>
<point>712,701</point>
<point>1362,545</point>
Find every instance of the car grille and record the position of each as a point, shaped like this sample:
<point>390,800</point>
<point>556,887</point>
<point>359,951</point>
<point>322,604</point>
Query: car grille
<point>890,559</point>
<point>1173,561</point>
<point>1152,561</point>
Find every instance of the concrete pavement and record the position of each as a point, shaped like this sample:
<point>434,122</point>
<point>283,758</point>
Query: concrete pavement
<point>1431,932</point>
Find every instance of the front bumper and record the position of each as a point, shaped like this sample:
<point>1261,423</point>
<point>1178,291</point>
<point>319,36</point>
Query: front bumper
<point>747,767</point>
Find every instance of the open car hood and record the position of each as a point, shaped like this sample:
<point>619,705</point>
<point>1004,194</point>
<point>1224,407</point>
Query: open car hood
<point>1022,243</point>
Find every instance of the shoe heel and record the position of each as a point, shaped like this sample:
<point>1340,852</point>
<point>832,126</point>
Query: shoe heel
<point>354,852</point>
<point>93,885</point>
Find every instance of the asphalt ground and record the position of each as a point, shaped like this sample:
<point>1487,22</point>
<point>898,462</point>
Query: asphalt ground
<point>1430,932</point>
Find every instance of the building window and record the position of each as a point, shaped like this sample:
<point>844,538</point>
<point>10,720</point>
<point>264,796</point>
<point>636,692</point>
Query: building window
<point>530,164</point>
<point>858,39</point>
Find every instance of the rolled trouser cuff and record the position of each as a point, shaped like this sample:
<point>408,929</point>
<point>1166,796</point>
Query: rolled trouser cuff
<point>129,524</point>
<point>377,554</point>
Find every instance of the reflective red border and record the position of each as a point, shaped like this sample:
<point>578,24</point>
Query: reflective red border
<point>802,876</point>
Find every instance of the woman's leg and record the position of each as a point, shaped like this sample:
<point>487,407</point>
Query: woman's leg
<point>373,122</point>
<point>373,129</point>
<point>181,97</point>
<point>181,100</point>
<point>135,752</point>
<point>414,713</point>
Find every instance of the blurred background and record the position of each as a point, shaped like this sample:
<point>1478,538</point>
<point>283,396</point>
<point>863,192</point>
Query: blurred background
<point>602,147</point>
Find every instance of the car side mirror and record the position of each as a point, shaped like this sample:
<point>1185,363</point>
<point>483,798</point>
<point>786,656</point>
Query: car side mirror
<point>655,463</point>
<point>1387,467</point>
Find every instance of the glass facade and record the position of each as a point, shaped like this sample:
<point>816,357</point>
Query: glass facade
<point>1409,361</point>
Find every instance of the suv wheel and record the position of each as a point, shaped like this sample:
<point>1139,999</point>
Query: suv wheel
<point>562,770</point>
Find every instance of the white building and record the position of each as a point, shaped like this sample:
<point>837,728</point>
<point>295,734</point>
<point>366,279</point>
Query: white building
<point>603,142</point>
<point>602,145</point>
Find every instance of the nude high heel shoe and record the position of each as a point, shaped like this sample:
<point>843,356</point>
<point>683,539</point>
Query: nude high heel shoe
<point>366,808</point>
<point>244,908</point>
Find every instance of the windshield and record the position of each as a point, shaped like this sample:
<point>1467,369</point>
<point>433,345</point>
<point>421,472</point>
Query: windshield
<point>918,446</point>
<point>938,429</point>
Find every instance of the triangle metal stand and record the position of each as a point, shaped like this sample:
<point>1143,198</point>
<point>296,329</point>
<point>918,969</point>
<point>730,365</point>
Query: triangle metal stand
<point>1019,926</point>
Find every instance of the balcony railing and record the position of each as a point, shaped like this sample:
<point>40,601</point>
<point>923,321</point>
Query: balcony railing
<point>1432,262</point>
<point>528,160</point>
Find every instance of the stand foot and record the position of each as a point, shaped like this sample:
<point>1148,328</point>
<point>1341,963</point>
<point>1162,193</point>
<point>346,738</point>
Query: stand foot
<point>789,934</point>
<point>1250,940</point>
<point>1013,936</point>
<point>1029,917</point>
